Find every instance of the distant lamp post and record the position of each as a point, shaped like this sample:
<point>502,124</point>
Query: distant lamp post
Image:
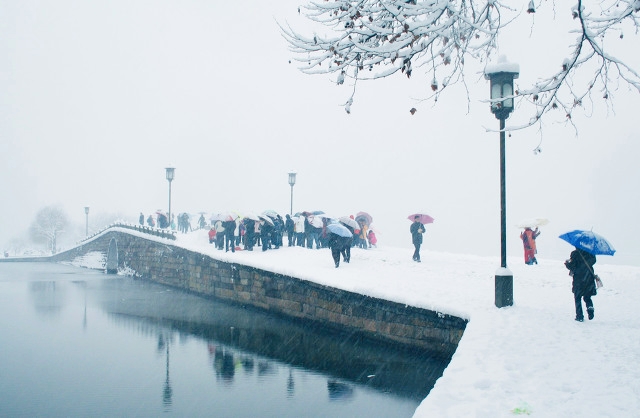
<point>501,76</point>
<point>171,171</point>
<point>292,182</point>
<point>86,229</point>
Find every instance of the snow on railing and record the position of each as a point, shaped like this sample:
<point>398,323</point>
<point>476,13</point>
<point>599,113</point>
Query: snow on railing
<point>158,232</point>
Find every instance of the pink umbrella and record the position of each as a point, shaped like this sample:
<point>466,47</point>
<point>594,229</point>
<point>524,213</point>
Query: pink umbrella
<point>424,218</point>
<point>365,217</point>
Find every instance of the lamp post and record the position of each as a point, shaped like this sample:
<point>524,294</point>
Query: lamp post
<point>171,171</point>
<point>501,76</point>
<point>292,182</point>
<point>86,212</point>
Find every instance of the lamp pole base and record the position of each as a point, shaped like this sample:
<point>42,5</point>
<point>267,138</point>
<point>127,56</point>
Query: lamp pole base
<point>504,287</point>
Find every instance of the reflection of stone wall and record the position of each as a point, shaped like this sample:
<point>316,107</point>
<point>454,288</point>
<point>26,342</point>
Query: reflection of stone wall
<point>174,266</point>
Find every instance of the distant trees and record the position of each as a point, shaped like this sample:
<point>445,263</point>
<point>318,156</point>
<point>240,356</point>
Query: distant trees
<point>371,39</point>
<point>49,223</point>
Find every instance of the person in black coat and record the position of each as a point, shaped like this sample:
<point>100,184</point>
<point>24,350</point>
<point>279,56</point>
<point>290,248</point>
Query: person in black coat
<point>266,231</point>
<point>346,251</point>
<point>249,234</point>
<point>416,229</point>
<point>338,245</point>
<point>229,238</point>
<point>580,265</point>
<point>290,227</point>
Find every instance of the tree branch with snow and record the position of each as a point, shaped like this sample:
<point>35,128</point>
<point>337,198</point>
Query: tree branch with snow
<point>373,39</point>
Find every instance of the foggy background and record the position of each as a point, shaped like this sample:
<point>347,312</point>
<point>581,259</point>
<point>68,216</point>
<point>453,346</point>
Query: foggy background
<point>97,98</point>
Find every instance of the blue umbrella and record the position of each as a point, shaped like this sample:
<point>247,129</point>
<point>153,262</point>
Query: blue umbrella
<point>339,229</point>
<point>589,241</point>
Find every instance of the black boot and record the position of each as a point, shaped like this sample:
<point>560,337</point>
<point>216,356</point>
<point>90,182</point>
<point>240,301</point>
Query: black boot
<point>590,312</point>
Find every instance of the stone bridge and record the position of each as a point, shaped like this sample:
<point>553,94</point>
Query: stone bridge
<point>156,257</point>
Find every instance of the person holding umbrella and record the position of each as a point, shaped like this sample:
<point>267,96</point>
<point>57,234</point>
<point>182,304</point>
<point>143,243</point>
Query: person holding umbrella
<point>580,265</point>
<point>340,239</point>
<point>528,237</point>
<point>416,229</point>
<point>587,245</point>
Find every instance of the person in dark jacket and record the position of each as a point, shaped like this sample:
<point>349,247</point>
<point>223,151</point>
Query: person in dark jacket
<point>229,239</point>
<point>346,251</point>
<point>416,229</point>
<point>141,219</point>
<point>290,227</point>
<point>266,231</point>
<point>278,230</point>
<point>338,245</point>
<point>249,234</point>
<point>580,265</point>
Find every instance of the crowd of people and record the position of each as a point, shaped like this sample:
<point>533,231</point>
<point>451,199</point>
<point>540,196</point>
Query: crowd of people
<point>268,231</point>
<point>316,230</point>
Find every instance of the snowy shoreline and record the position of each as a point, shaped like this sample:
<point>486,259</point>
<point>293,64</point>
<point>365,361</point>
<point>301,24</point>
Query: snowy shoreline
<point>531,358</point>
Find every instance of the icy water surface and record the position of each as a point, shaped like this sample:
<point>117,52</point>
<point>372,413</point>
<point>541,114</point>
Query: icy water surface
<point>78,343</point>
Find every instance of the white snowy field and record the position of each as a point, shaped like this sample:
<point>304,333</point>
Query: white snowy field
<point>532,358</point>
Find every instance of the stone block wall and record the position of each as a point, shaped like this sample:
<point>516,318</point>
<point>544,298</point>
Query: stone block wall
<point>165,263</point>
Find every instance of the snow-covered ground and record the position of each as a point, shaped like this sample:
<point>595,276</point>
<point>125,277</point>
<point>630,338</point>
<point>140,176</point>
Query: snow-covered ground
<point>532,358</point>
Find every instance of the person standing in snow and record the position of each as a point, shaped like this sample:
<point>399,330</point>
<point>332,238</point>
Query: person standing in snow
<point>528,237</point>
<point>300,231</point>
<point>266,231</point>
<point>290,227</point>
<point>580,265</point>
<point>229,232</point>
<point>141,219</point>
<point>373,241</point>
<point>416,229</point>
<point>249,233</point>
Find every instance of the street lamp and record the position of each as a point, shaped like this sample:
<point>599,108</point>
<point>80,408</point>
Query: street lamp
<point>171,171</point>
<point>86,212</point>
<point>501,76</point>
<point>292,181</point>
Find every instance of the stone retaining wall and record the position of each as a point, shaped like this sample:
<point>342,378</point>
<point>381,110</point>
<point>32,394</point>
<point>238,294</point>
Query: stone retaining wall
<point>165,263</point>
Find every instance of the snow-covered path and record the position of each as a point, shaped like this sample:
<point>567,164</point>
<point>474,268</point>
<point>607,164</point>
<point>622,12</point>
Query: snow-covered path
<point>531,358</point>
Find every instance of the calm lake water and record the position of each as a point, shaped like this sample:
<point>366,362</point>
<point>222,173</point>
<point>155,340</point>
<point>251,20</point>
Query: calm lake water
<point>78,343</point>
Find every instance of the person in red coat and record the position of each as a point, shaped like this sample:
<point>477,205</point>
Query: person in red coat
<point>528,238</point>
<point>371,236</point>
<point>212,235</point>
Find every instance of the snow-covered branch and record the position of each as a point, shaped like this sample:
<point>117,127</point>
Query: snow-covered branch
<point>372,39</point>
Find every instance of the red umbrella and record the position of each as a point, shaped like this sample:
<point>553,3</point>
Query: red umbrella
<point>364,216</point>
<point>424,218</point>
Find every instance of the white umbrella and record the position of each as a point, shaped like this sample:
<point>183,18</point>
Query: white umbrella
<point>532,222</point>
<point>349,222</point>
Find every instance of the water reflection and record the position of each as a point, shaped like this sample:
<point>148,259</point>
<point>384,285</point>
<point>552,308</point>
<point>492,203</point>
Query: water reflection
<point>347,356</point>
<point>164,341</point>
<point>47,298</point>
<point>121,347</point>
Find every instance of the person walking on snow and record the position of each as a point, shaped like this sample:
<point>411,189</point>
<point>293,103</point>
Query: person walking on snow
<point>416,229</point>
<point>580,265</point>
<point>528,238</point>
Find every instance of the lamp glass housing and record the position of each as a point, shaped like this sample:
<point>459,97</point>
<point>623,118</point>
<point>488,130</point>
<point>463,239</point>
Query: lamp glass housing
<point>170,173</point>
<point>292,179</point>
<point>501,87</point>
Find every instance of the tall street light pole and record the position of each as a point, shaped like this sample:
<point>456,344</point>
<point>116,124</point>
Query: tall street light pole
<point>501,76</point>
<point>292,182</point>
<point>170,174</point>
<point>86,212</point>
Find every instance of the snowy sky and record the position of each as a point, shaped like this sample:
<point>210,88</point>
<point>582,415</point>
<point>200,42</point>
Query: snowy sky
<point>99,97</point>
